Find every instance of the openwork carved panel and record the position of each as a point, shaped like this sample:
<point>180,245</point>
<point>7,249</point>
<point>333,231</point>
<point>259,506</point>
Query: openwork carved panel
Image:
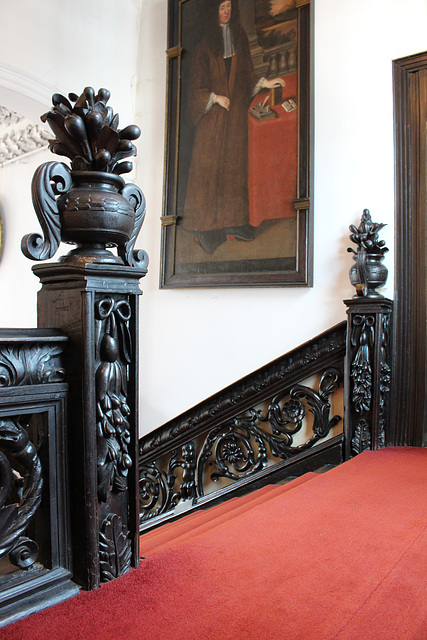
<point>21,486</point>
<point>238,448</point>
<point>35,545</point>
<point>244,445</point>
<point>330,346</point>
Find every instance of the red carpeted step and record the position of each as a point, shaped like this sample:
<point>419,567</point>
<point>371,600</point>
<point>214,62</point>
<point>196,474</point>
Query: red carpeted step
<point>223,507</point>
<point>213,518</point>
<point>209,523</point>
<point>171,530</point>
<point>201,513</point>
<point>194,516</point>
<point>188,523</point>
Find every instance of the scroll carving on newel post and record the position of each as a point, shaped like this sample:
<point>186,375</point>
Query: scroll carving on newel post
<point>368,343</point>
<point>91,294</point>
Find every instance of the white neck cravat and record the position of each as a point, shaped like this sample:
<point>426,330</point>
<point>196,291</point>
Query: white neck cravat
<point>228,40</point>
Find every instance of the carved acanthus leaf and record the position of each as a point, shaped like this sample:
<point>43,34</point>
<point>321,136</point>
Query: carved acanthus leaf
<point>115,550</point>
<point>361,440</point>
<point>34,364</point>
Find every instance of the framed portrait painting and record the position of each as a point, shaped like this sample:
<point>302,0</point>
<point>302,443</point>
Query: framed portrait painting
<point>238,136</point>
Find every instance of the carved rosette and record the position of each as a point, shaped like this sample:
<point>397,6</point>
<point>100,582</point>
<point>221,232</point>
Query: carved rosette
<point>240,447</point>
<point>113,429</point>
<point>21,486</point>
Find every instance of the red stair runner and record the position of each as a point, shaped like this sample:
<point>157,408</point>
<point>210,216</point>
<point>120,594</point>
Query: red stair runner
<point>340,557</point>
<point>196,524</point>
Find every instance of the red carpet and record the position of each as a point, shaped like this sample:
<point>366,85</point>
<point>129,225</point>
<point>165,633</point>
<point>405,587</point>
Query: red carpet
<point>198,523</point>
<point>342,556</point>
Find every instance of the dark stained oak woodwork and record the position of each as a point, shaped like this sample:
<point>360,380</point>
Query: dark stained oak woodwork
<point>35,546</point>
<point>96,306</point>
<point>409,332</point>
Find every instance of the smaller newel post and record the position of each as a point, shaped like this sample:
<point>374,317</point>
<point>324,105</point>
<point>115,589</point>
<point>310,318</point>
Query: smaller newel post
<point>91,294</point>
<point>367,370</point>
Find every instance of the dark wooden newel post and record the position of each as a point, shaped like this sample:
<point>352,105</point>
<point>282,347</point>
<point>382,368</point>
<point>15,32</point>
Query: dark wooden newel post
<point>367,365</point>
<point>92,296</point>
<point>97,307</point>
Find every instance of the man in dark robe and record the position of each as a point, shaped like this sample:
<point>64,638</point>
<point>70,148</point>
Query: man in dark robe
<point>222,83</point>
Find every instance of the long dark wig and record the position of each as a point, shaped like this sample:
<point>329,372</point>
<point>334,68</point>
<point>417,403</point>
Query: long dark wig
<point>213,29</point>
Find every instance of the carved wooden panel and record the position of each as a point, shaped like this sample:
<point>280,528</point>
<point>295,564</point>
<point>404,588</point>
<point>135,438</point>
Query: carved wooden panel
<point>34,510</point>
<point>368,375</point>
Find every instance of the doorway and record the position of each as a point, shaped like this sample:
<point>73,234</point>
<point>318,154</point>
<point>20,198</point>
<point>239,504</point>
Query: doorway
<point>409,410</point>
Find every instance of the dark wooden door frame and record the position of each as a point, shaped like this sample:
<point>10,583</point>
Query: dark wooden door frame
<point>409,333</point>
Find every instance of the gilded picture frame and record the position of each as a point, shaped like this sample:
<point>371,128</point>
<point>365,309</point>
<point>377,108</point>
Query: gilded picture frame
<point>237,182</point>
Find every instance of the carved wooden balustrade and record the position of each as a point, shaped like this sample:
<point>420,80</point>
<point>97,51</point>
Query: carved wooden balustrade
<point>279,421</point>
<point>269,425</point>
<point>35,558</point>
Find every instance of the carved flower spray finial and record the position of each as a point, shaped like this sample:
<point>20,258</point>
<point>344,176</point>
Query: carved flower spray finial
<point>88,134</point>
<point>88,205</point>
<point>367,273</point>
<point>366,235</point>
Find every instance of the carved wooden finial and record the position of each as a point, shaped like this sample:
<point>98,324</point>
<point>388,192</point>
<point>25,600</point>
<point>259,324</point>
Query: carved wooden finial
<point>88,134</point>
<point>89,205</point>
<point>368,272</point>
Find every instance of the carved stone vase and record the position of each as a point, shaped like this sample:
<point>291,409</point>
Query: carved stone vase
<point>95,210</point>
<point>368,273</point>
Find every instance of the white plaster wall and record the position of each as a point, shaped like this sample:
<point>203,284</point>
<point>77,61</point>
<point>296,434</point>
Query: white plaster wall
<point>18,285</point>
<point>54,45</point>
<point>194,342</point>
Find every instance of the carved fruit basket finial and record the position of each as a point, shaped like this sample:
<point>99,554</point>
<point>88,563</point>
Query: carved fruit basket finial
<point>89,205</point>
<point>368,272</point>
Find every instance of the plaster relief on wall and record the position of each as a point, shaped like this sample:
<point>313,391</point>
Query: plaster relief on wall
<point>19,136</point>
